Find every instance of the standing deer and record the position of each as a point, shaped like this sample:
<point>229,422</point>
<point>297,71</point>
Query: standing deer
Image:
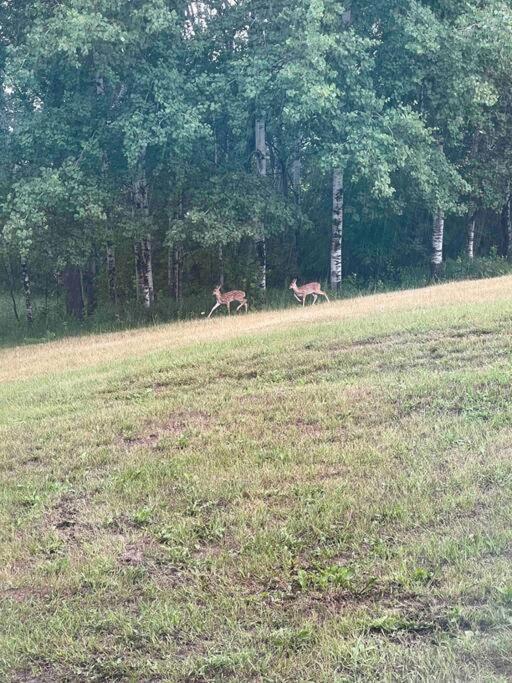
<point>227,298</point>
<point>300,293</point>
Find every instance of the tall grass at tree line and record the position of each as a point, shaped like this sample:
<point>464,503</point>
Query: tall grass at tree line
<point>50,321</point>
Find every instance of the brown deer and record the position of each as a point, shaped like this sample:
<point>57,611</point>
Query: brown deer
<point>227,298</point>
<point>300,293</point>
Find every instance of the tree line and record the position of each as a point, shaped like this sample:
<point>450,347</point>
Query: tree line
<point>151,148</point>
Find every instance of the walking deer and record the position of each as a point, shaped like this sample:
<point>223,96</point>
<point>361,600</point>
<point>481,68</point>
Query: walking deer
<point>300,293</point>
<point>227,298</point>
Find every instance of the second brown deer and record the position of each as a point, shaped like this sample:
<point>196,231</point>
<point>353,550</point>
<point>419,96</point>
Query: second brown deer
<point>313,288</point>
<point>227,298</point>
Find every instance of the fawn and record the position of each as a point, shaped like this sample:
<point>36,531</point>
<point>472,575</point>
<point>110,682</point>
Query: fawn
<point>300,293</point>
<point>227,298</point>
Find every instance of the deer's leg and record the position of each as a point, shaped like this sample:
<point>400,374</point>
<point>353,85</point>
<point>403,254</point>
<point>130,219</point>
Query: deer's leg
<point>239,306</point>
<point>324,294</point>
<point>304,300</point>
<point>315,297</point>
<point>229,307</point>
<point>296,297</point>
<point>216,306</point>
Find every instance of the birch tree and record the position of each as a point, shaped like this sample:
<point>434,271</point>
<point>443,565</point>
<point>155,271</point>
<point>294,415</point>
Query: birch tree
<point>437,243</point>
<point>261,163</point>
<point>27,290</point>
<point>337,230</point>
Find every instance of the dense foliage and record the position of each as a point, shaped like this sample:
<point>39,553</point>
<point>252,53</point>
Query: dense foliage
<point>151,148</point>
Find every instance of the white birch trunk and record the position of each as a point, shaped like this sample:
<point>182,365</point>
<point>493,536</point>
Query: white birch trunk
<point>142,274</point>
<point>471,237</point>
<point>261,161</point>
<point>436,260</point>
<point>137,272</point>
<point>508,226</point>
<point>27,291</point>
<point>143,256</point>
<point>337,230</point>
<point>148,263</point>
<point>261,147</point>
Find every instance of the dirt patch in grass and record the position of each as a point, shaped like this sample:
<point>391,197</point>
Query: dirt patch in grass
<point>142,551</point>
<point>46,674</point>
<point>175,425</point>
<point>67,518</point>
<point>24,593</point>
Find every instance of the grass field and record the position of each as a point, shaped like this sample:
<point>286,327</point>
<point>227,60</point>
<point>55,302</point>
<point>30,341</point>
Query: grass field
<point>303,495</point>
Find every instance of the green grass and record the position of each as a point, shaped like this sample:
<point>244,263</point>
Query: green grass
<point>326,500</point>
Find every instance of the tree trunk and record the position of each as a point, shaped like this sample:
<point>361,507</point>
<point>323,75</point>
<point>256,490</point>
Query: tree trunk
<point>169,272</point>
<point>293,258</point>
<point>10,279</point>
<point>88,282</point>
<point>27,291</point>
<point>436,261</point>
<point>137,273</point>
<point>221,266</point>
<point>99,82</point>
<point>142,274</point>
<point>177,272</point>
<point>295,177</point>
<point>261,254</point>
<point>261,161</point>
<point>471,237</point>
<point>148,263</point>
<point>507,227</point>
<point>111,274</point>
<point>261,146</point>
<point>74,299</point>
<point>143,257</point>
<point>337,230</point>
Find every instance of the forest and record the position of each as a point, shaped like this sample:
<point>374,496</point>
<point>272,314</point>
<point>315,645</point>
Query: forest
<point>152,149</point>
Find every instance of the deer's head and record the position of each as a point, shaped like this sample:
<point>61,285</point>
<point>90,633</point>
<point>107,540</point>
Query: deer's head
<point>293,284</point>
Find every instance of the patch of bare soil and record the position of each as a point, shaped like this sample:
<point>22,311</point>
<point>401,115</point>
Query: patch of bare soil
<point>147,554</point>
<point>141,552</point>
<point>175,425</point>
<point>46,674</point>
<point>67,518</point>
<point>24,593</point>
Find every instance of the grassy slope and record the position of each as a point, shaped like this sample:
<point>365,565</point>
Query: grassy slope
<point>320,494</point>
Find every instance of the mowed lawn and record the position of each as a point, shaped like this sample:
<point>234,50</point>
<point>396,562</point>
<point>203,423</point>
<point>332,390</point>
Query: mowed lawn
<point>305,495</point>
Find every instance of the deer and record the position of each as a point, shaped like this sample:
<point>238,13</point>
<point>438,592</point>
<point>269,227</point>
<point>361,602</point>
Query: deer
<point>300,293</point>
<point>227,298</point>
